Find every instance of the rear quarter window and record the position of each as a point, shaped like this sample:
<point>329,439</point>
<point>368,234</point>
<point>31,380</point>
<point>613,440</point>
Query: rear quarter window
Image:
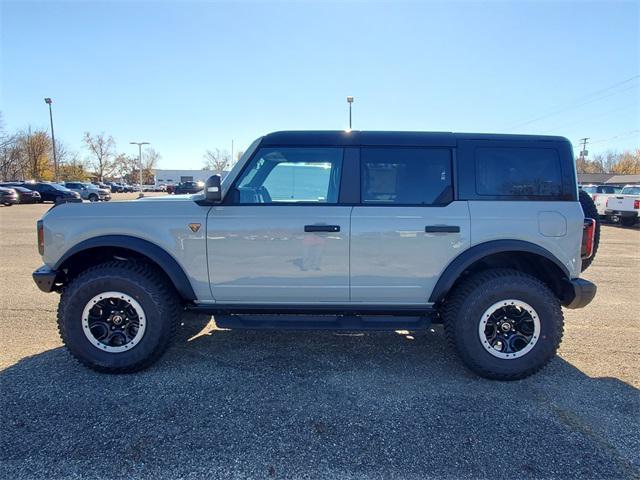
<point>526,172</point>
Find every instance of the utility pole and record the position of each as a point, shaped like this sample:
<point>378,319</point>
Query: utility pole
<point>48,101</point>
<point>140,162</point>
<point>231,161</point>
<point>583,151</point>
<point>349,101</point>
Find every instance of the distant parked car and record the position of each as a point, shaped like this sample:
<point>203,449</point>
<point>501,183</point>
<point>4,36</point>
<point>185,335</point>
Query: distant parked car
<point>53,192</point>
<point>188,187</point>
<point>8,196</point>
<point>116,187</point>
<point>27,196</point>
<point>170,189</point>
<point>89,191</point>
<point>101,185</point>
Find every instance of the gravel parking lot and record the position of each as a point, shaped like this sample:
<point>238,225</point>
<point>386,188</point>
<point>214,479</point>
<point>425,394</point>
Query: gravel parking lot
<point>236,404</point>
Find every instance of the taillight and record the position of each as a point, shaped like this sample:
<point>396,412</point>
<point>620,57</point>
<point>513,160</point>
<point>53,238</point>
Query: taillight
<point>588,237</point>
<point>636,204</point>
<point>595,197</point>
<point>40,228</point>
<point>608,201</point>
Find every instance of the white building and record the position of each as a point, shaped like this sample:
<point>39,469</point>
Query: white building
<point>174,177</point>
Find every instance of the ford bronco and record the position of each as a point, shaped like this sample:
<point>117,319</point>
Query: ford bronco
<point>338,230</point>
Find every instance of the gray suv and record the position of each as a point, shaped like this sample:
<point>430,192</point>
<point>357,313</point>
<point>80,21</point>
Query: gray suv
<point>89,191</point>
<point>338,230</point>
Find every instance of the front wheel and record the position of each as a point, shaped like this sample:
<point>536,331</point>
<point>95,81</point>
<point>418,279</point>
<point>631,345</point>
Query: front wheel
<point>504,324</point>
<point>118,317</point>
<point>93,197</point>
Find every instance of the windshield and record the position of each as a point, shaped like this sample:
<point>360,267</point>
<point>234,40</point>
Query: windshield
<point>631,191</point>
<point>230,177</point>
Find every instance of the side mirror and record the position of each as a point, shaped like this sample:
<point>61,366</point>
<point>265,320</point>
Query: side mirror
<point>212,189</point>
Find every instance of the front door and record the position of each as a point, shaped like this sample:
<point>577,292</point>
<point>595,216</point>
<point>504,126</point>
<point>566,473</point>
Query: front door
<point>280,236</point>
<point>407,227</point>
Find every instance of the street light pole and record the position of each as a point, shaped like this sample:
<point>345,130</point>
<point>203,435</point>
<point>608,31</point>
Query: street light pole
<point>140,162</point>
<point>48,101</point>
<point>349,101</point>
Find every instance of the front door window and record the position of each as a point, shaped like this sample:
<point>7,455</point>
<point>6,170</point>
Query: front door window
<point>291,175</point>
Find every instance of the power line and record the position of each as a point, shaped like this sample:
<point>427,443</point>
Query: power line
<point>584,100</point>
<point>620,136</point>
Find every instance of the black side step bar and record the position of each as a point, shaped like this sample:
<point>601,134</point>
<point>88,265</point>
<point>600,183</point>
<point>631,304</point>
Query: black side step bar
<point>322,322</point>
<point>266,309</point>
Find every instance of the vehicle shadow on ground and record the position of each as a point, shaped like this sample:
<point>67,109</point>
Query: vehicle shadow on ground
<point>312,404</point>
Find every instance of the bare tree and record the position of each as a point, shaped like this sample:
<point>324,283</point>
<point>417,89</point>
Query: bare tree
<point>102,150</point>
<point>217,160</point>
<point>124,165</point>
<point>150,159</point>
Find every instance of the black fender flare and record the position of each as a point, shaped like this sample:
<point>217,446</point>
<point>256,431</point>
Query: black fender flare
<point>463,261</point>
<point>144,247</point>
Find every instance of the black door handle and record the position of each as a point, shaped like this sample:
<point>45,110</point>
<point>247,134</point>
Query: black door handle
<point>322,228</point>
<point>442,229</point>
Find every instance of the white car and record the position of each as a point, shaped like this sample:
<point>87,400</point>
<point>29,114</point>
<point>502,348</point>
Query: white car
<point>600,194</point>
<point>625,206</point>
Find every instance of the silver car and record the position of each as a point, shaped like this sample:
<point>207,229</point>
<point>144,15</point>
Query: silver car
<point>89,191</point>
<point>338,230</point>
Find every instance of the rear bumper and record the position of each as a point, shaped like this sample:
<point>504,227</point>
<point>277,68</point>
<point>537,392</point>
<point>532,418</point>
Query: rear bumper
<point>621,213</point>
<point>581,293</point>
<point>45,278</point>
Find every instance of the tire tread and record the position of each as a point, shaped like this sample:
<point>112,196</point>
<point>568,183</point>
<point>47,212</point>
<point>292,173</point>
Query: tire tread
<point>163,293</point>
<point>477,282</point>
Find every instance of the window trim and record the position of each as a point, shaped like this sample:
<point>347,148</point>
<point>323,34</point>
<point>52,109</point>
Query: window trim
<point>227,199</point>
<point>452,184</point>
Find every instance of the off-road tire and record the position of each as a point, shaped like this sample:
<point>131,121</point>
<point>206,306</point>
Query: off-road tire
<point>141,281</point>
<point>463,310</point>
<point>590,211</point>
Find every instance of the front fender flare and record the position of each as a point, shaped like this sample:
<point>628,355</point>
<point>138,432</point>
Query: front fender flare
<point>143,247</point>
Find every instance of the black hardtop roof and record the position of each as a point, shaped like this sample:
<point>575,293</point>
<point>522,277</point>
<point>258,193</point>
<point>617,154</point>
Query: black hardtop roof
<point>423,139</point>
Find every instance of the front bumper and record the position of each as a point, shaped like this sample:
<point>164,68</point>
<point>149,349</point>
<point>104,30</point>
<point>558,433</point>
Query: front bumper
<point>45,279</point>
<point>581,292</point>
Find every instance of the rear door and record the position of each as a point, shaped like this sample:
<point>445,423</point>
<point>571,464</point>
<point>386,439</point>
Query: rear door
<point>407,227</point>
<point>281,235</point>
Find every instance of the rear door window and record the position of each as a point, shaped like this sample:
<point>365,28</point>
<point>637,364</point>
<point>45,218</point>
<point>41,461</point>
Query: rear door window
<point>525,172</point>
<point>406,176</point>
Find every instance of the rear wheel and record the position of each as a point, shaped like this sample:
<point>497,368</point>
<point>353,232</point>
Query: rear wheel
<point>590,211</point>
<point>504,324</point>
<point>119,316</point>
